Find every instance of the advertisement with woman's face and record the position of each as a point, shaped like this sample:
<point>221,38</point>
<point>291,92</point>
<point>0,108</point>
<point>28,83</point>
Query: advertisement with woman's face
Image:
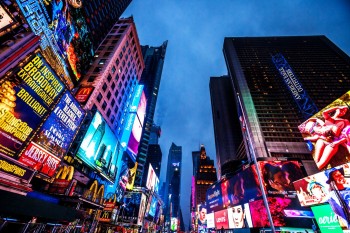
<point>327,134</point>
<point>237,217</point>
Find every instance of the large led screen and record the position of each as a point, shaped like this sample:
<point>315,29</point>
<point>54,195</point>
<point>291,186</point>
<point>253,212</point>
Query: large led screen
<point>241,187</point>
<point>153,207</point>
<point>99,147</point>
<point>221,219</point>
<point>26,95</point>
<point>210,220</point>
<point>5,19</point>
<point>129,211</point>
<point>326,220</point>
<point>152,179</point>
<point>71,34</point>
<point>278,176</point>
<point>125,173</point>
<point>214,198</point>
<point>55,136</point>
<point>280,209</point>
<point>202,218</point>
<point>136,131</point>
<point>142,210</point>
<point>326,134</point>
<point>239,216</point>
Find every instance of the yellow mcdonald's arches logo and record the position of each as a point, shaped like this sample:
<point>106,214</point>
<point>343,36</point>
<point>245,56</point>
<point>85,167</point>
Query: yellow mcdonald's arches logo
<point>84,91</point>
<point>65,172</point>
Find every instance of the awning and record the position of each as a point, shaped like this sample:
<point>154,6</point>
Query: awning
<point>19,206</point>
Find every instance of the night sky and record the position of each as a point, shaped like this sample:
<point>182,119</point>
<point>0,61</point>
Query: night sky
<point>195,30</point>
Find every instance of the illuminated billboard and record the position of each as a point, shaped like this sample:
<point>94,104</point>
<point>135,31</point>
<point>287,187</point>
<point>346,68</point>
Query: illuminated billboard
<point>153,207</point>
<point>131,178</point>
<point>5,19</point>
<point>136,131</point>
<point>239,216</point>
<point>55,135</point>
<point>99,147</point>
<point>210,220</point>
<point>83,94</point>
<point>327,134</point>
<point>129,211</point>
<point>71,33</point>
<point>326,219</point>
<point>142,210</point>
<point>126,171</point>
<point>173,224</point>
<point>221,219</point>
<point>26,95</point>
<point>214,198</point>
<point>152,179</point>
<point>278,176</point>
<point>283,212</point>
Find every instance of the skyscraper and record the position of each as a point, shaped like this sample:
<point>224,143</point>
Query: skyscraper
<point>227,129</point>
<point>171,195</point>
<point>269,102</point>
<point>151,77</point>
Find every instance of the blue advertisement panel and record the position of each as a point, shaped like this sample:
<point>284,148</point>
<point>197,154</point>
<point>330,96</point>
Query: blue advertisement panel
<point>99,147</point>
<point>300,96</point>
<point>136,98</point>
<point>214,198</point>
<point>26,95</point>
<point>152,209</point>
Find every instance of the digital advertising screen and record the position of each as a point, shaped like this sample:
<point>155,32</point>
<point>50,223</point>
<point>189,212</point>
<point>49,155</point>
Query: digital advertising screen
<point>221,219</point>
<point>313,189</point>
<point>210,220</point>
<point>125,173</point>
<point>153,207</point>
<point>71,34</point>
<point>278,176</point>
<point>173,224</point>
<point>5,20</point>
<point>326,134</point>
<point>136,132</point>
<point>131,179</point>
<point>239,216</point>
<point>241,188</point>
<point>99,147</point>
<point>129,211</point>
<point>27,93</point>
<point>281,210</point>
<point>326,219</point>
<point>214,198</point>
<point>152,179</point>
<point>83,94</point>
<point>142,209</point>
<point>202,218</point>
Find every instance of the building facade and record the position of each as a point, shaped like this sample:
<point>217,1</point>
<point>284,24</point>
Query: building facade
<point>227,129</point>
<point>172,186</point>
<point>151,77</point>
<point>270,108</point>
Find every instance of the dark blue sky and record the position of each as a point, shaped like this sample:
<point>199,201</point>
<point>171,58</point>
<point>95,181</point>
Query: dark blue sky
<point>195,30</point>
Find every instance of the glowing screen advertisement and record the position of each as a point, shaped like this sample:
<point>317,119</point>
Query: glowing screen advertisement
<point>327,134</point>
<point>142,209</point>
<point>326,220</point>
<point>221,219</point>
<point>214,198</point>
<point>5,18</point>
<point>152,179</point>
<point>98,148</point>
<point>136,131</point>
<point>210,220</point>
<point>27,93</point>
<point>173,224</point>
<point>51,143</point>
<point>239,216</point>
<point>278,176</point>
<point>153,207</point>
<point>71,33</point>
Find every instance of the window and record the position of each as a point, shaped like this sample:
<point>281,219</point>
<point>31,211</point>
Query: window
<point>112,118</point>
<point>120,55</point>
<point>110,47</point>
<point>108,112</point>
<point>113,86</point>
<point>109,78</point>
<point>91,79</point>
<point>104,105</point>
<point>112,102</point>
<point>107,54</point>
<point>102,61</point>
<point>113,70</point>
<point>117,77</point>
<point>104,87</point>
<point>97,69</point>
<point>108,95</point>
<point>99,97</point>
<point>117,61</point>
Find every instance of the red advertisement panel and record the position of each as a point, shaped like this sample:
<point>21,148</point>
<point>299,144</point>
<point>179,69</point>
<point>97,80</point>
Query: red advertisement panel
<point>40,159</point>
<point>83,94</point>
<point>221,219</point>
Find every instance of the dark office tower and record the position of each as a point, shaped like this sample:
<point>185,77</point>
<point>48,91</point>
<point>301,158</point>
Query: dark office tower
<point>173,182</point>
<point>101,16</point>
<point>227,129</point>
<point>154,153</point>
<point>204,174</point>
<point>269,99</point>
<point>151,77</point>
